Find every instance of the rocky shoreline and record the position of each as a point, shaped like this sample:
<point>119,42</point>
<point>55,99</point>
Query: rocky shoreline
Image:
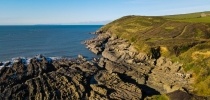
<point>121,73</point>
<point>151,74</point>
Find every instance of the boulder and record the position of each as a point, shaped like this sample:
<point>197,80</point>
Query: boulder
<point>167,77</point>
<point>182,95</point>
<point>109,55</point>
<point>101,62</point>
<point>114,67</point>
<point>98,89</point>
<point>142,56</point>
<point>130,61</point>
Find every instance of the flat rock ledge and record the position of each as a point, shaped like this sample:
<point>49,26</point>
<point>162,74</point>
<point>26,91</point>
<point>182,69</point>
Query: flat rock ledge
<point>122,73</point>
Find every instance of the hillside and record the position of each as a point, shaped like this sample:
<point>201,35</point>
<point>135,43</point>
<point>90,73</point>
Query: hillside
<point>199,17</point>
<point>184,38</point>
<point>186,16</point>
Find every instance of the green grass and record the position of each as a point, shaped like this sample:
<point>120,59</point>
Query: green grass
<point>169,28</point>
<point>197,59</point>
<point>192,17</point>
<point>197,20</point>
<point>186,16</point>
<point>184,38</point>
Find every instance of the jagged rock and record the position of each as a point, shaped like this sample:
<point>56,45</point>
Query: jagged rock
<point>1,63</point>
<point>113,37</point>
<point>98,89</point>
<point>96,45</point>
<point>87,67</point>
<point>80,57</point>
<point>113,87</point>
<point>94,95</point>
<point>41,79</point>
<point>96,50</point>
<point>123,46</point>
<point>109,55</point>
<point>168,77</point>
<point>130,61</point>
<point>101,62</point>
<point>113,67</point>
<point>142,57</point>
<point>7,63</point>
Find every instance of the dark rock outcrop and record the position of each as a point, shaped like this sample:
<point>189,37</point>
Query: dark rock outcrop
<point>181,95</point>
<point>40,79</point>
<point>72,79</point>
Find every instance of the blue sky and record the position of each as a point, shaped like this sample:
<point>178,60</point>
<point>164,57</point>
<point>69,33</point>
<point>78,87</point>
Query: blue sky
<point>29,12</point>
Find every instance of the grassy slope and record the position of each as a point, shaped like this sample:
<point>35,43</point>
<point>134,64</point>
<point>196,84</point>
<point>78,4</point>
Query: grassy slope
<point>183,38</point>
<point>193,17</point>
<point>186,16</point>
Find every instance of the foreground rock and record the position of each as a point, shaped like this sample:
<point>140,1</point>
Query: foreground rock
<point>167,77</point>
<point>41,79</point>
<point>110,86</point>
<point>72,79</point>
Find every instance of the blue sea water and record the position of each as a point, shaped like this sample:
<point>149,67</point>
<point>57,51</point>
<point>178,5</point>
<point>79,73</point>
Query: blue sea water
<point>49,40</point>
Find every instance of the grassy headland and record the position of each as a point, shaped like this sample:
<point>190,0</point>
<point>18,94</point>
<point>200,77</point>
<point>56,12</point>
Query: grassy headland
<point>184,38</point>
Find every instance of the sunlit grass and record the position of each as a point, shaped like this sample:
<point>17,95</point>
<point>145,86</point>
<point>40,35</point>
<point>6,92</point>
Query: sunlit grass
<point>196,20</point>
<point>187,45</point>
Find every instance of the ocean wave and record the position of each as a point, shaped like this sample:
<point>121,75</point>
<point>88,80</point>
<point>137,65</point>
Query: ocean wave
<point>27,60</point>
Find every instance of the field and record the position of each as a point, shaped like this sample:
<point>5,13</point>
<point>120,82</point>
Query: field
<point>193,17</point>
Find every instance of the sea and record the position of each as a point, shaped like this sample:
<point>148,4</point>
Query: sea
<point>48,40</point>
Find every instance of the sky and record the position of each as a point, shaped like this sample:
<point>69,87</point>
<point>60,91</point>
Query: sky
<point>32,12</point>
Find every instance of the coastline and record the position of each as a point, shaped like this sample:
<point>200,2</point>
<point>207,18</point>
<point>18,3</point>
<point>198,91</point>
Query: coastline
<point>121,73</point>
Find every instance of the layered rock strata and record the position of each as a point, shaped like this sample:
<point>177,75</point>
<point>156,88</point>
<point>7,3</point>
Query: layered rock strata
<point>122,73</point>
<point>71,79</point>
<point>41,79</point>
<point>152,75</point>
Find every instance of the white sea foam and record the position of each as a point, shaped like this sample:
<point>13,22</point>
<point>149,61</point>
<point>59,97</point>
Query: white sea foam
<point>6,64</point>
<point>55,58</point>
<point>27,61</point>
